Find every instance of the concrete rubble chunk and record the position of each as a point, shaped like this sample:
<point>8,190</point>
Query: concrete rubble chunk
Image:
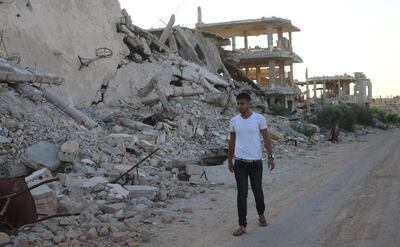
<point>5,140</point>
<point>146,145</point>
<point>135,124</point>
<point>92,182</point>
<point>117,129</point>
<point>87,162</point>
<point>38,176</point>
<point>42,154</point>
<point>120,236</point>
<point>117,191</point>
<point>45,199</point>
<point>112,208</point>
<point>122,136</point>
<point>161,139</point>
<point>107,148</point>
<point>168,219</point>
<point>193,169</point>
<point>147,191</point>
<point>199,131</point>
<point>69,151</point>
<point>121,168</point>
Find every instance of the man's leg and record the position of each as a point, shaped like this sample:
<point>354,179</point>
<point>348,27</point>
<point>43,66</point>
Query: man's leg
<point>241,176</point>
<point>255,174</point>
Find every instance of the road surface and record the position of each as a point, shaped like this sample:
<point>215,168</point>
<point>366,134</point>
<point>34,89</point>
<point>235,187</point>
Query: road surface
<point>346,195</point>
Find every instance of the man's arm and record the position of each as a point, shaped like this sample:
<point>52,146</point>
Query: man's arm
<point>268,146</point>
<point>231,150</point>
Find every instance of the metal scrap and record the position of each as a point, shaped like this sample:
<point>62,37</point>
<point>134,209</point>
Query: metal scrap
<point>100,54</point>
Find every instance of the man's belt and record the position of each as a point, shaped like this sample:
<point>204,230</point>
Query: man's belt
<point>247,161</point>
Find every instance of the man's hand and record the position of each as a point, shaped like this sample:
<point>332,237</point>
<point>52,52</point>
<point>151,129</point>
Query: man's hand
<point>231,148</point>
<point>230,166</point>
<point>271,164</point>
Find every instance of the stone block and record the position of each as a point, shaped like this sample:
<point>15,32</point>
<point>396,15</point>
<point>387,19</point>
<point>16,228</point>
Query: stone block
<point>147,191</point>
<point>42,154</point>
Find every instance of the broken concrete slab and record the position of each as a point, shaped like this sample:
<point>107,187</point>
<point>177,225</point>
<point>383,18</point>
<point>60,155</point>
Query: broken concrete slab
<point>38,176</point>
<point>107,148</point>
<point>135,124</point>
<point>147,191</point>
<point>5,140</point>
<point>192,72</point>
<point>92,182</point>
<point>112,208</point>
<point>39,47</point>
<point>193,169</point>
<point>42,154</point>
<point>146,145</point>
<point>117,191</point>
<point>45,199</point>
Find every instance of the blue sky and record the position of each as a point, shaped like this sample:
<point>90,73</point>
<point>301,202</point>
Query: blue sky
<point>336,36</point>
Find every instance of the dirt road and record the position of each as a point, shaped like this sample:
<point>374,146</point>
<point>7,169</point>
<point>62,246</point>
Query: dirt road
<point>339,195</point>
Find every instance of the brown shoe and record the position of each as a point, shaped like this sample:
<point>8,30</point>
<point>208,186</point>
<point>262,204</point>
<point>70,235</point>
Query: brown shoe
<point>240,231</point>
<point>262,221</point>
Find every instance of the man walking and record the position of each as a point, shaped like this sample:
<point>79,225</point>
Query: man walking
<point>246,130</point>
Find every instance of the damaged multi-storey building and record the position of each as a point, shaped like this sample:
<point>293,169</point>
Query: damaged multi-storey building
<point>344,88</point>
<point>271,67</point>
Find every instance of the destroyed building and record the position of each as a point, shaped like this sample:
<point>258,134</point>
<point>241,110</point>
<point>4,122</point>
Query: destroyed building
<point>345,88</point>
<point>271,67</point>
<point>86,96</point>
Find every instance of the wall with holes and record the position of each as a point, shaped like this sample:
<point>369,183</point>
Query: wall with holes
<point>50,35</point>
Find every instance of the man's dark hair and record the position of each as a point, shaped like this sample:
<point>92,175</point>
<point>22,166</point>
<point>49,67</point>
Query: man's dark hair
<point>243,96</point>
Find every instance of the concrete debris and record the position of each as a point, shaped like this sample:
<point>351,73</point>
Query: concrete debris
<point>112,208</point>
<point>150,192</point>
<point>42,155</point>
<point>117,191</point>
<point>168,219</point>
<point>94,181</point>
<point>69,151</point>
<point>12,73</point>
<point>45,200</point>
<point>38,176</point>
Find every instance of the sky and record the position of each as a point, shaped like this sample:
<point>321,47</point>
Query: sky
<point>336,37</point>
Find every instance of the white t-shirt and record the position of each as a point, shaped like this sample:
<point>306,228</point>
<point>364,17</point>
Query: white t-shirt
<point>248,135</point>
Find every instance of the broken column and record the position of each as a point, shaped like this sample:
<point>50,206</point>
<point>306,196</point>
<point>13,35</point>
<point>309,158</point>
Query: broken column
<point>165,34</point>
<point>271,66</point>
<point>282,73</point>
<point>314,89</point>
<point>270,36</point>
<point>280,37</point>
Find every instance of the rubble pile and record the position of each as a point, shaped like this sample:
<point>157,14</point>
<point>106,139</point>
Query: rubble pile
<point>170,97</point>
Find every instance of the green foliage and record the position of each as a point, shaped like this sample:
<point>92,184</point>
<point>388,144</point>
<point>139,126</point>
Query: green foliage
<point>279,109</point>
<point>347,116</point>
<point>303,129</point>
<point>379,114</point>
<point>348,120</point>
<point>393,118</point>
<point>363,115</point>
<point>330,115</point>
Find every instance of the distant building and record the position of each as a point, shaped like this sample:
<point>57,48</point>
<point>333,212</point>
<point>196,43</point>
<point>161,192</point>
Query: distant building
<point>271,67</point>
<point>337,89</point>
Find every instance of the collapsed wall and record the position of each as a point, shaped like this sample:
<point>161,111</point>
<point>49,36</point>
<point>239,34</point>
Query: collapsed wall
<point>50,35</point>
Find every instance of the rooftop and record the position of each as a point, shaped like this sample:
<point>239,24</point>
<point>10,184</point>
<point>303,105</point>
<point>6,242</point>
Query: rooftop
<point>249,27</point>
<point>259,56</point>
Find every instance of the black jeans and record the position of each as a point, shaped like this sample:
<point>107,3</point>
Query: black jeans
<point>243,171</point>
